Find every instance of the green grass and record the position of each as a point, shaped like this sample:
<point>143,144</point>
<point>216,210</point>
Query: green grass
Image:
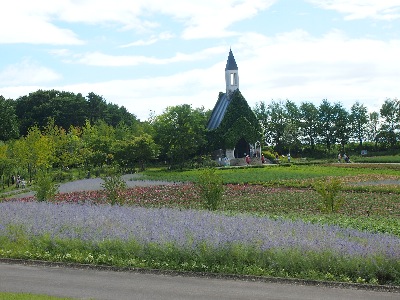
<point>273,174</point>
<point>27,296</point>
<point>377,159</point>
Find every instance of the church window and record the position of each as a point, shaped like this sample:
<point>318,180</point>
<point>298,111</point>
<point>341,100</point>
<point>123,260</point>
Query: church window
<point>233,79</point>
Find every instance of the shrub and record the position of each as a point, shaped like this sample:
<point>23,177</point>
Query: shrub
<point>269,155</point>
<point>328,189</point>
<point>114,187</point>
<point>45,188</point>
<point>211,188</point>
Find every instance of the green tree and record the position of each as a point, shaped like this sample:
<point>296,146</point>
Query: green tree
<point>180,132</point>
<point>309,123</point>
<point>8,120</point>
<point>326,124</point>
<point>45,188</point>
<point>140,149</point>
<point>291,133</point>
<point>276,124</point>
<point>359,121</point>
<point>98,140</point>
<point>390,121</point>
<point>261,113</point>
<point>373,127</point>
<point>342,125</point>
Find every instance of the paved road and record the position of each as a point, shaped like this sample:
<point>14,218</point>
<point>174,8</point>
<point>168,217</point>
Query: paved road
<point>100,284</point>
<point>94,184</point>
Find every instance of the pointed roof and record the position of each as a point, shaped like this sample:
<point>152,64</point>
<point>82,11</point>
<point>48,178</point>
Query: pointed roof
<point>218,112</point>
<point>231,63</point>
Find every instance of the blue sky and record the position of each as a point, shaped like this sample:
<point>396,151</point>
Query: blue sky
<point>147,55</point>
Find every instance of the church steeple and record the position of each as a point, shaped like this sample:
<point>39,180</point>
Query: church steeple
<point>231,74</point>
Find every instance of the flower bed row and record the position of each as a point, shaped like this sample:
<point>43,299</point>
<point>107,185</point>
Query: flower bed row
<point>194,240</point>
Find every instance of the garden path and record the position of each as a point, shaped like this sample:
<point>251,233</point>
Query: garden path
<point>94,184</point>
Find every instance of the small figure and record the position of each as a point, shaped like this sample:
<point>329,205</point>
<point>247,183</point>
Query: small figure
<point>248,159</point>
<point>339,158</point>
<point>262,159</point>
<point>288,157</point>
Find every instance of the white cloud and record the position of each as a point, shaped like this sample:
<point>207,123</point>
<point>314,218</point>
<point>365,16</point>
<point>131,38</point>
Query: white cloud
<point>108,60</point>
<point>37,22</point>
<point>361,9</point>
<point>293,65</point>
<point>301,67</point>
<point>152,40</point>
<point>31,22</point>
<point>27,73</point>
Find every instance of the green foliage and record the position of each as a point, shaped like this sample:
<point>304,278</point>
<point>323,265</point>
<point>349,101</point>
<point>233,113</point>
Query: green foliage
<point>232,259</point>
<point>114,186</point>
<point>328,189</point>
<point>269,155</point>
<point>239,122</point>
<point>67,109</point>
<point>8,120</point>
<point>211,188</point>
<point>180,132</point>
<point>45,188</point>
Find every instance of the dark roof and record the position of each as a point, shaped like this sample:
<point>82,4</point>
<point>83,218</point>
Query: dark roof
<point>218,112</point>
<point>231,63</point>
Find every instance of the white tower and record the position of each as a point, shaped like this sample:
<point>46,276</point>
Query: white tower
<point>231,75</point>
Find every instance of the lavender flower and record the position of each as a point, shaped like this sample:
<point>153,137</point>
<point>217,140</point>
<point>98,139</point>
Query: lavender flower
<point>189,228</point>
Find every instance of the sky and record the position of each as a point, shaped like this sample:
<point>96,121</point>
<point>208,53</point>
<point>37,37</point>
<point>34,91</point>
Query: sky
<point>147,55</point>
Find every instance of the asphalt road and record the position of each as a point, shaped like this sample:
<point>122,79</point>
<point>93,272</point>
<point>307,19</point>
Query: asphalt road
<point>106,284</point>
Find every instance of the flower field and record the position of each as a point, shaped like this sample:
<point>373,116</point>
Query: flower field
<point>259,229</point>
<point>39,228</point>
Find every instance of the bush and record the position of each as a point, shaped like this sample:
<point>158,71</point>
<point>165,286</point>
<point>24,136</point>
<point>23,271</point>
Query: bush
<point>114,187</point>
<point>328,189</point>
<point>269,155</point>
<point>45,188</point>
<point>211,188</point>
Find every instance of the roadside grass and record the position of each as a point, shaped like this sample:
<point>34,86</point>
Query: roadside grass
<point>28,296</point>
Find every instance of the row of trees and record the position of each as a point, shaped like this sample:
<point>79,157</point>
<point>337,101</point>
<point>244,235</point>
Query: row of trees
<point>86,147</point>
<point>66,130</point>
<point>287,126</point>
<point>65,108</point>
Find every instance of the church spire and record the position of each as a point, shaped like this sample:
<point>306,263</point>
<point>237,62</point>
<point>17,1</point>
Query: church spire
<point>231,74</point>
<point>231,63</point>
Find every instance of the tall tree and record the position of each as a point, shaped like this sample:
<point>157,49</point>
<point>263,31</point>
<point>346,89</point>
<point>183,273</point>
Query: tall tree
<point>359,121</point>
<point>180,132</point>
<point>276,123</point>
<point>291,133</point>
<point>373,127</point>
<point>309,123</point>
<point>390,117</point>
<point>8,120</point>
<point>261,113</point>
<point>326,125</point>
<point>341,125</point>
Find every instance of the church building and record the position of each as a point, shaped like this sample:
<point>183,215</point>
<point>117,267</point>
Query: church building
<point>233,127</point>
